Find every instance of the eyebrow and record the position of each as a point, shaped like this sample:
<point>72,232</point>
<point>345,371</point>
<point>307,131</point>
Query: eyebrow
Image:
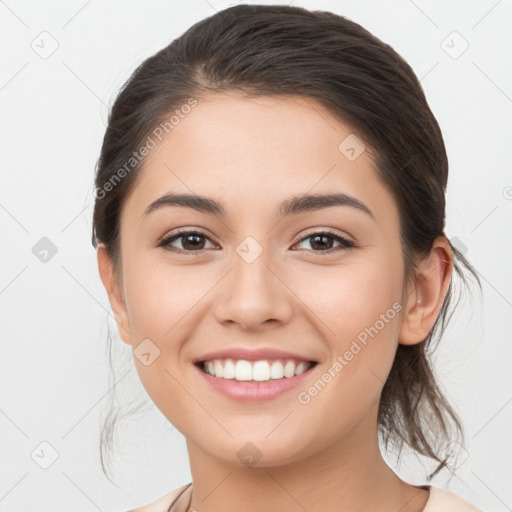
<point>291,206</point>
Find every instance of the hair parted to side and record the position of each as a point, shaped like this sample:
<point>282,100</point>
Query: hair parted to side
<point>283,50</point>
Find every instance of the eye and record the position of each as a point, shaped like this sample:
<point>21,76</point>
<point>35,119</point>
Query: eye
<point>190,240</point>
<point>320,239</point>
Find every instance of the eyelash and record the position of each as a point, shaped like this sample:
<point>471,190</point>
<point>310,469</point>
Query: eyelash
<point>345,244</point>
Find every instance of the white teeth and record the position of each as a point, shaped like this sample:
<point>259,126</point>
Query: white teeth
<point>301,368</point>
<point>243,371</point>
<point>228,371</point>
<point>260,371</point>
<point>217,367</point>
<point>289,369</point>
<point>276,370</point>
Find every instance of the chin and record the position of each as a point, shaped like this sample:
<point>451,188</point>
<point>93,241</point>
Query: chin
<point>257,453</point>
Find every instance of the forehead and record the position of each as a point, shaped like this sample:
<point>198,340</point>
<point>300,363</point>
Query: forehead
<point>248,153</point>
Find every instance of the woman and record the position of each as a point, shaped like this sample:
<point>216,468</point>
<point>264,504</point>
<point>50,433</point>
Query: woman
<point>269,220</point>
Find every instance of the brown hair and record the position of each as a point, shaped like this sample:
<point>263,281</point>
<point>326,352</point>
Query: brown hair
<point>283,50</point>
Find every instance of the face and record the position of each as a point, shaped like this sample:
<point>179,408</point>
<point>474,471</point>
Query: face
<point>262,278</point>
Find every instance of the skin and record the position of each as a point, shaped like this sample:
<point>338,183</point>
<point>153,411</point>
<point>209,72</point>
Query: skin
<point>250,155</point>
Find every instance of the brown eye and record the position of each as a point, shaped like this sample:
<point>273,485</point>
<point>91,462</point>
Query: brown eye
<point>194,241</point>
<point>191,241</point>
<point>323,241</point>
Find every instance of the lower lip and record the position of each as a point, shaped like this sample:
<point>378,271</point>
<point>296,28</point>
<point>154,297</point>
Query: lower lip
<point>251,390</point>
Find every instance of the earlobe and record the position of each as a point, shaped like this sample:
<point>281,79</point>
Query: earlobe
<point>114,292</point>
<point>426,295</point>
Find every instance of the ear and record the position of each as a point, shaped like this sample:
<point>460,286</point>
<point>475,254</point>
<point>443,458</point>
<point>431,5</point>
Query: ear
<point>115,293</point>
<point>425,295</point>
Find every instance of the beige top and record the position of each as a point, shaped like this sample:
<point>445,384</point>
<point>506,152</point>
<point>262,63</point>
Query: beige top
<point>440,500</point>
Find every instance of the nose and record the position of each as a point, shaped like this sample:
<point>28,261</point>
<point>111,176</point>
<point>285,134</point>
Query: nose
<point>254,294</point>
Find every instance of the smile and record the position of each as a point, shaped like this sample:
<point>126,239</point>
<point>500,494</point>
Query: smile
<point>259,371</point>
<point>252,381</point>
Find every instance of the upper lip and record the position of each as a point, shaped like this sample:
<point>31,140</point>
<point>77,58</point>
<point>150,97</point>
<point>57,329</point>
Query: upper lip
<point>251,355</point>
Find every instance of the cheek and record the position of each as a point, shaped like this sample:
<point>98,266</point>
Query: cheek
<point>160,304</point>
<point>351,297</point>
<point>368,302</point>
<point>360,305</point>
<point>164,305</point>
<point>357,310</point>
<point>161,298</point>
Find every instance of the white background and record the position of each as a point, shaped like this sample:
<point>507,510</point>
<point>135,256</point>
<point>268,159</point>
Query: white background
<point>54,375</point>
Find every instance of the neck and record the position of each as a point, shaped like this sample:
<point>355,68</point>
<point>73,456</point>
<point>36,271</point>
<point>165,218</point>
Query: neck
<point>349,476</point>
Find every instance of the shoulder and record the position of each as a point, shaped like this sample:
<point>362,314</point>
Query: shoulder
<point>441,500</point>
<point>163,503</point>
